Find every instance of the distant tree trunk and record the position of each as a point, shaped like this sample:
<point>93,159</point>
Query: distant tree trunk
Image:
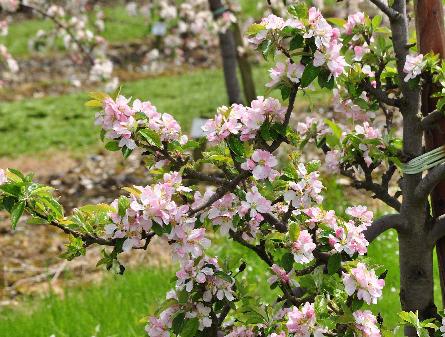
<point>229,56</point>
<point>244,66</point>
<point>431,38</point>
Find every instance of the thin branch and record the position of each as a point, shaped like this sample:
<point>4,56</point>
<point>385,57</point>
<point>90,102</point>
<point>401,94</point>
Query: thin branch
<point>380,95</point>
<point>438,230</point>
<point>280,226</point>
<point>382,224</point>
<point>391,13</point>
<point>427,184</point>
<point>221,191</point>
<point>191,174</point>
<point>379,191</point>
<point>430,121</point>
<point>66,29</point>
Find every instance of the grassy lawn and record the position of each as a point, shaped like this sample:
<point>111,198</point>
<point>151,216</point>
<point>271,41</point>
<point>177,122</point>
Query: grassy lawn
<point>64,122</point>
<point>116,308</point>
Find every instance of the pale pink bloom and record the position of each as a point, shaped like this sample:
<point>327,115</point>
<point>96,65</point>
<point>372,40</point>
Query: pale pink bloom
<point>3,178</point>
<point>261,164</point>
<point>306,191</point>
<point>348,108</point>
<point>354,20</point>
<point>10,5</point>
<point>364,282</point>
<point>302,322</point>
<point>349,238</point>
<point>255,203</point>
<point>280,274</point>
<point>282,334</point>
<point>332,161</point>
<point>317,215</point>
<point>366,69</point>
<point>219,128</point>
<point>303,248</point>
<point>332,58</point>
<point>413,66</point>
<point>294,23</point>
<point>366,324</point>
<point>276,74</point>
<point>314,15</point>
<point>295,72</point>
<point>222,212</point>
<point>360,51</point>
<point>241,332</point>
<point>361,213</point>
<point>273,22</point>
<point>368,131</point>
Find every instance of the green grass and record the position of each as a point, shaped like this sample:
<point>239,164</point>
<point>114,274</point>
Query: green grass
<point>63,122</point>
<point>117,307</point>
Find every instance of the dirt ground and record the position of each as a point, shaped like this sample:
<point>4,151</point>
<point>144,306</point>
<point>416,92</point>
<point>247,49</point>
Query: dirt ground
<point>29,256</point>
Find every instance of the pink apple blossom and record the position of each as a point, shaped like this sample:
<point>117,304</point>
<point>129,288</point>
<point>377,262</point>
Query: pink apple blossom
<point>413,66</point>
<point>366,324</point>
<point>368,131</point>
<point>255,203</point>
<point>306,191</point>
<point>261,164</point>
<point>3,178</point>
<point>353,21</point>
<point>303,247</point>
<point>364,282</point>
<point>332,57</point>
<point>332,161</point>
<point>302,322</point>
<point>280,275</point>
<point>349,238</point>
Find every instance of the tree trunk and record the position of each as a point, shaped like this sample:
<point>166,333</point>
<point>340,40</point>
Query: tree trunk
<point>229,55</point>
<point>431,38</point>
<point>416,258</point>
<point>244,66</point>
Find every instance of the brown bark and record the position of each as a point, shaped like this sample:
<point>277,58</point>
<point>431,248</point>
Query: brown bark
<point>431,38</point>
<point>229,57</point>
<point>245,67</point>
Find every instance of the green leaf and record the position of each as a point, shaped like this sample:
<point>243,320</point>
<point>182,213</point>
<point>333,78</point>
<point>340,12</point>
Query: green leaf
<point>93,104</point>
<point>300,10</point>
<point>126,152</point>
<point>294,231</point>
<point>254,29</point>
<point>151,137</point>
<point>376,21</point>
<point>16,213</point>
<point>309,75</point>
<point>287,261</point>
<point>337,21</point>
<point>336,130</point>
<point>297,42</point>
<point>112,146</point>
<point>334,264</point>
<point>178,323</point>
<point>325,79</point>
<point>190,327</point>
<point>236,146</point>
<point>11,189</point>
<point>123,205</point>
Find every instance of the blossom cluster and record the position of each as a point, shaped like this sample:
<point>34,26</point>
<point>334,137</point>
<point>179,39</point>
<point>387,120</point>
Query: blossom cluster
<point>120,121</point>
<point>364,282</point>
<point>243,121</point>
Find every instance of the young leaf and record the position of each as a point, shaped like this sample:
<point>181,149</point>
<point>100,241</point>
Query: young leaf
<point>310,73</point>
<point>16,213</point>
